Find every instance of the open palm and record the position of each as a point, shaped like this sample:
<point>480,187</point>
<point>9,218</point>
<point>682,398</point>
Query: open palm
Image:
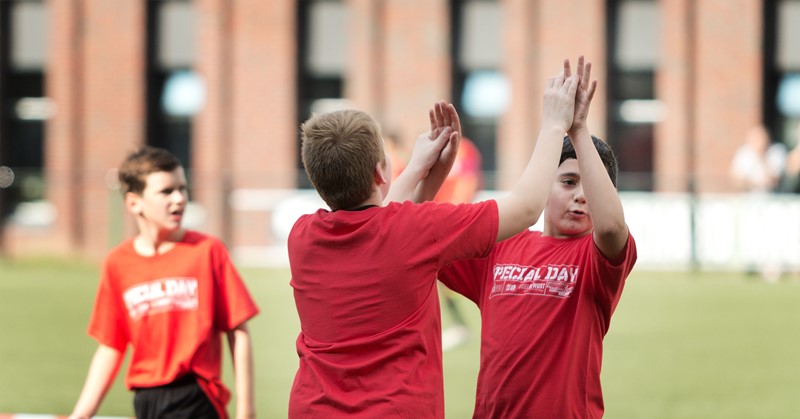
<point>584,94</point>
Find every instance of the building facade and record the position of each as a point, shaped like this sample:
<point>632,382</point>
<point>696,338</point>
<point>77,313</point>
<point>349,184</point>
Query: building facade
<point>225,84</point>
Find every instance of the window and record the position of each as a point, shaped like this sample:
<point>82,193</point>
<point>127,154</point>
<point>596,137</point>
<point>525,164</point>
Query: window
<point>23,26</point>
<point>633,110</point>
<point>322,54</point>
<point>782,71</point>
<point>481,91</point>
<point>175,92</point>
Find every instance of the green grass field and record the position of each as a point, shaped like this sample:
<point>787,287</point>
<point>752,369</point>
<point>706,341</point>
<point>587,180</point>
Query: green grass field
<point>681,345</point>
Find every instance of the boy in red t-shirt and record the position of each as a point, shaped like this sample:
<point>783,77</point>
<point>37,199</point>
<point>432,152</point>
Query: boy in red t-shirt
<point>169,293</point>
<point>546,298</point>
<point>364,273</point>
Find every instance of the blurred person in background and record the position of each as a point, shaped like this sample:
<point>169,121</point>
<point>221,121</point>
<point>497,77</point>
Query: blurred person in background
<point>168,293</point>
<point>790,180</point>
<point>757,165</point>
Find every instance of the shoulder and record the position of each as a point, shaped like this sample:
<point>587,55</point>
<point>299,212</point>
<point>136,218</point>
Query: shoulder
<point>122,251</point>
<point>204,243</point>
<point>192,237</point>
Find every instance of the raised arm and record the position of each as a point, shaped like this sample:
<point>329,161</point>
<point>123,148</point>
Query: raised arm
<point>103,369</point>
<point>242,354</point>
<point>430,156</point>
<point>605,207</point>
<point>523,206</point>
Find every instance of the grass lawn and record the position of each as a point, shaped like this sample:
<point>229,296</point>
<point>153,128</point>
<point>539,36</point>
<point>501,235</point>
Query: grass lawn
<point>681,345</point>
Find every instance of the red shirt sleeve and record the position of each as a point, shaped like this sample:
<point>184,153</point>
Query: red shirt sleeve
<point>466,277</point>
<point>233,304</point>
<point>107,324</point>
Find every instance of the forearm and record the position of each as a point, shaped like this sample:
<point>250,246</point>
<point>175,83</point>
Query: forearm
<point>241,351</point>
<point>608,217</point>
<point>429,187</point>
<point>104,367</point>
<point>523,206</point>
<point>406,185</point>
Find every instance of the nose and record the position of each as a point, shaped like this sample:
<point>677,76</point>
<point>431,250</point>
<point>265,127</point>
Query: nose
<point>579,196</point>
<point>179,196</point>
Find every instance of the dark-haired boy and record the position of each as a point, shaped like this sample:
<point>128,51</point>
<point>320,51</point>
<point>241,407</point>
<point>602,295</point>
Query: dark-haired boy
<point>546,298</point>
<point>169,294</point>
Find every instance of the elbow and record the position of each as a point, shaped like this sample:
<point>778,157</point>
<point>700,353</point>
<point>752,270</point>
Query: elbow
<point>613,230</point>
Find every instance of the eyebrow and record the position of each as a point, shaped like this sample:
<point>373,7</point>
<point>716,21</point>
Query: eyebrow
<point>570,174</point>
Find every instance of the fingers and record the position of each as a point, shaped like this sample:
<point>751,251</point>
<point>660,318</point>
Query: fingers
<point>570,85</point>
<point>592,88</point>
<point>445,112</point>
<point>567,70</point>
<point>444,135</point>
<point>580,69</point>
<point>443,115</point>
<point>560,78</point>
<point>439,116</point>
<point>587,73</point>
<point>456,121</point>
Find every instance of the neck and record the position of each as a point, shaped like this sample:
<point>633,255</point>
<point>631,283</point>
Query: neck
<point>375,200</point>
<point>151,243</point>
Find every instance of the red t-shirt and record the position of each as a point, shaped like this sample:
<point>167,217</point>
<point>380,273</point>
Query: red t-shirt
<point>365,289</point>
<point>546,304</point>
<point>171,308</point>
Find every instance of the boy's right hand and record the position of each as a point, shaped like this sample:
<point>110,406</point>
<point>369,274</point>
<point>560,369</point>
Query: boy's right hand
<point>583,95</point>
<point>559,100</point>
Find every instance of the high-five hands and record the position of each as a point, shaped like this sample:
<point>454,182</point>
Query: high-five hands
<point>444,115</point>
<point>583,95</point>
<point>559,100</point>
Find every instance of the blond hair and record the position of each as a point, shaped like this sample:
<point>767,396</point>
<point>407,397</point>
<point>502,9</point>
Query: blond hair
<point>340,150</point>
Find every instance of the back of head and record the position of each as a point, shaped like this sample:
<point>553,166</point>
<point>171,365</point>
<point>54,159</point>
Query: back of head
<point>144,161</point>
<point>603,149</point>
<point>340,150</point>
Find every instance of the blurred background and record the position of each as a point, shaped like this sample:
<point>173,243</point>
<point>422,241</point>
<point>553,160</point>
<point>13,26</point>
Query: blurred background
<point>225,84</point>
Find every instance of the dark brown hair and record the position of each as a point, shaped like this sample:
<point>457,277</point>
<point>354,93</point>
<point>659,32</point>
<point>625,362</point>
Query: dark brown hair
<point>603,149</point>
<point>142,162</point>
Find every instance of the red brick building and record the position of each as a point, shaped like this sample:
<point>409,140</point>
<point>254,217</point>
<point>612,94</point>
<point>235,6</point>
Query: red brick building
<point>224,84</point>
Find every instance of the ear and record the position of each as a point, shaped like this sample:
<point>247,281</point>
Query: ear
<point>133,202</point>
<point>380,179</point>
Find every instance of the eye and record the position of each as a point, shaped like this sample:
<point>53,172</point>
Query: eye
<point>569,182</point>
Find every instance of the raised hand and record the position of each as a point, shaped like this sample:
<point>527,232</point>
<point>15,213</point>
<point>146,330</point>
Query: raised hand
<point>559,100</point>
<point>441,116</point>
<point>583,95</point>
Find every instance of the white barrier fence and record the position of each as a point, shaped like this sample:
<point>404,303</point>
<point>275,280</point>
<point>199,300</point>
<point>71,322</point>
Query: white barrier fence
<point>672,231</point>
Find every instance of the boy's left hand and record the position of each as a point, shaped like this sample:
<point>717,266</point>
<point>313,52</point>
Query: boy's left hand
<point>584,94</point>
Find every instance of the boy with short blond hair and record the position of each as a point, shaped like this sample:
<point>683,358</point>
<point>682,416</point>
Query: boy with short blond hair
<point>169,294</point>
